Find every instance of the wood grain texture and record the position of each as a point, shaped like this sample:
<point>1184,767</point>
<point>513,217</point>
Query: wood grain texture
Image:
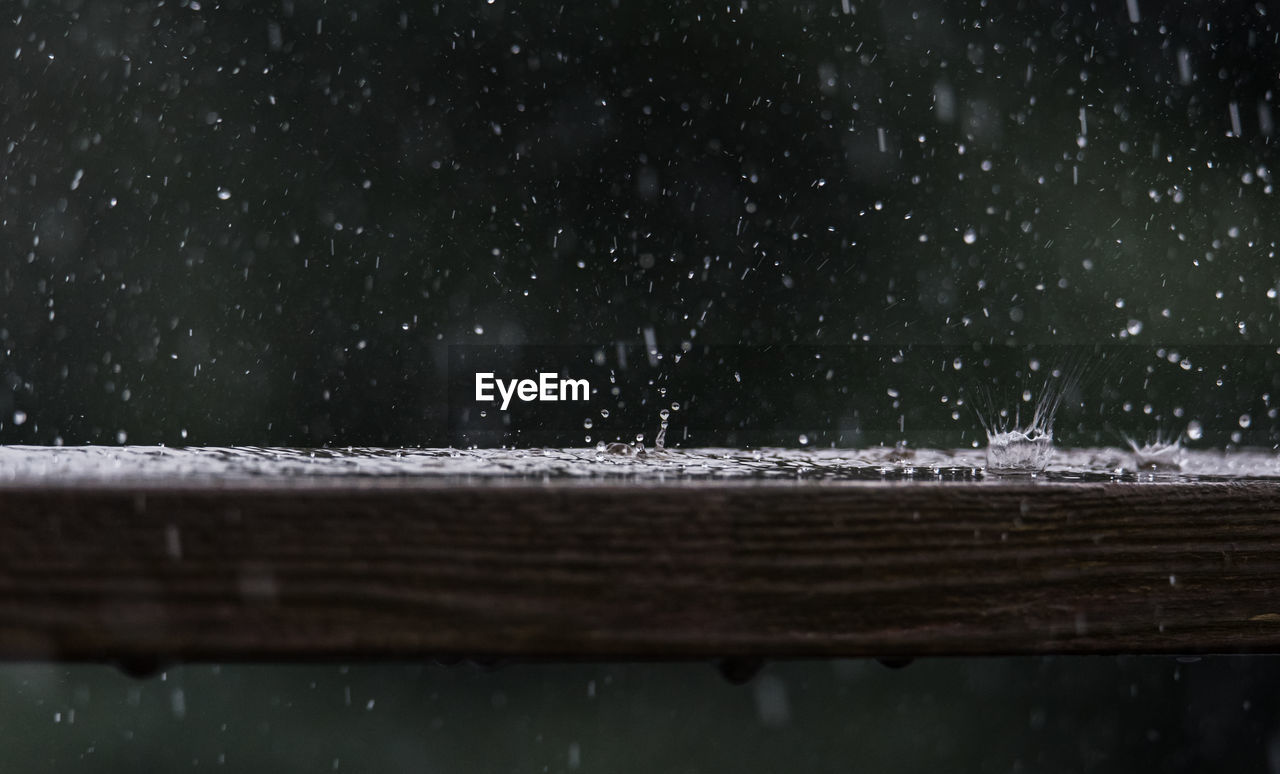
<point>603,571</point>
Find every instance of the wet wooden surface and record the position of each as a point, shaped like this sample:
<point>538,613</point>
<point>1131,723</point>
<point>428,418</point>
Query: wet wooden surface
<point>369,569</point>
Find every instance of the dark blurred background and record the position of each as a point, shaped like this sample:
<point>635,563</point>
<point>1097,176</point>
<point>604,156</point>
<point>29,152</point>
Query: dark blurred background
<point>266,223</point>
<point>1041,715</point>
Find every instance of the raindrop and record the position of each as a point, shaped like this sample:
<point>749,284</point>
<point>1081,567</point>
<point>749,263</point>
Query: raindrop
<point>1245,420</point>
<point>970,236</point>
<point>1195,430</point>
<point>804,440</point>
<point>224,194</point>
<point>586,423</point>
<point>1134,327</point>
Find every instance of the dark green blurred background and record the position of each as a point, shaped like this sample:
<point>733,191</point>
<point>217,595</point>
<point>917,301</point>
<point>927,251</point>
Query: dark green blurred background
<point>265,223</point>
<point>972,715</point>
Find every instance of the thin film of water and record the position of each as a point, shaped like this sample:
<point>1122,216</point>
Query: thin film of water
<point>22,465</point>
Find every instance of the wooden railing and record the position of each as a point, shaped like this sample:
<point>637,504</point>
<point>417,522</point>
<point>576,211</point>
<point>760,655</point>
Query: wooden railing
<point>302,569</point>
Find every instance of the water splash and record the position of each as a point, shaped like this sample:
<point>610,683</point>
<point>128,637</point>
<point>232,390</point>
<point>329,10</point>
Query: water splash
<point>1015,448</point>
<point>660,442</point>
<point>1019,452</point>
<point>1163,455</point>
<point>619,449</point>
